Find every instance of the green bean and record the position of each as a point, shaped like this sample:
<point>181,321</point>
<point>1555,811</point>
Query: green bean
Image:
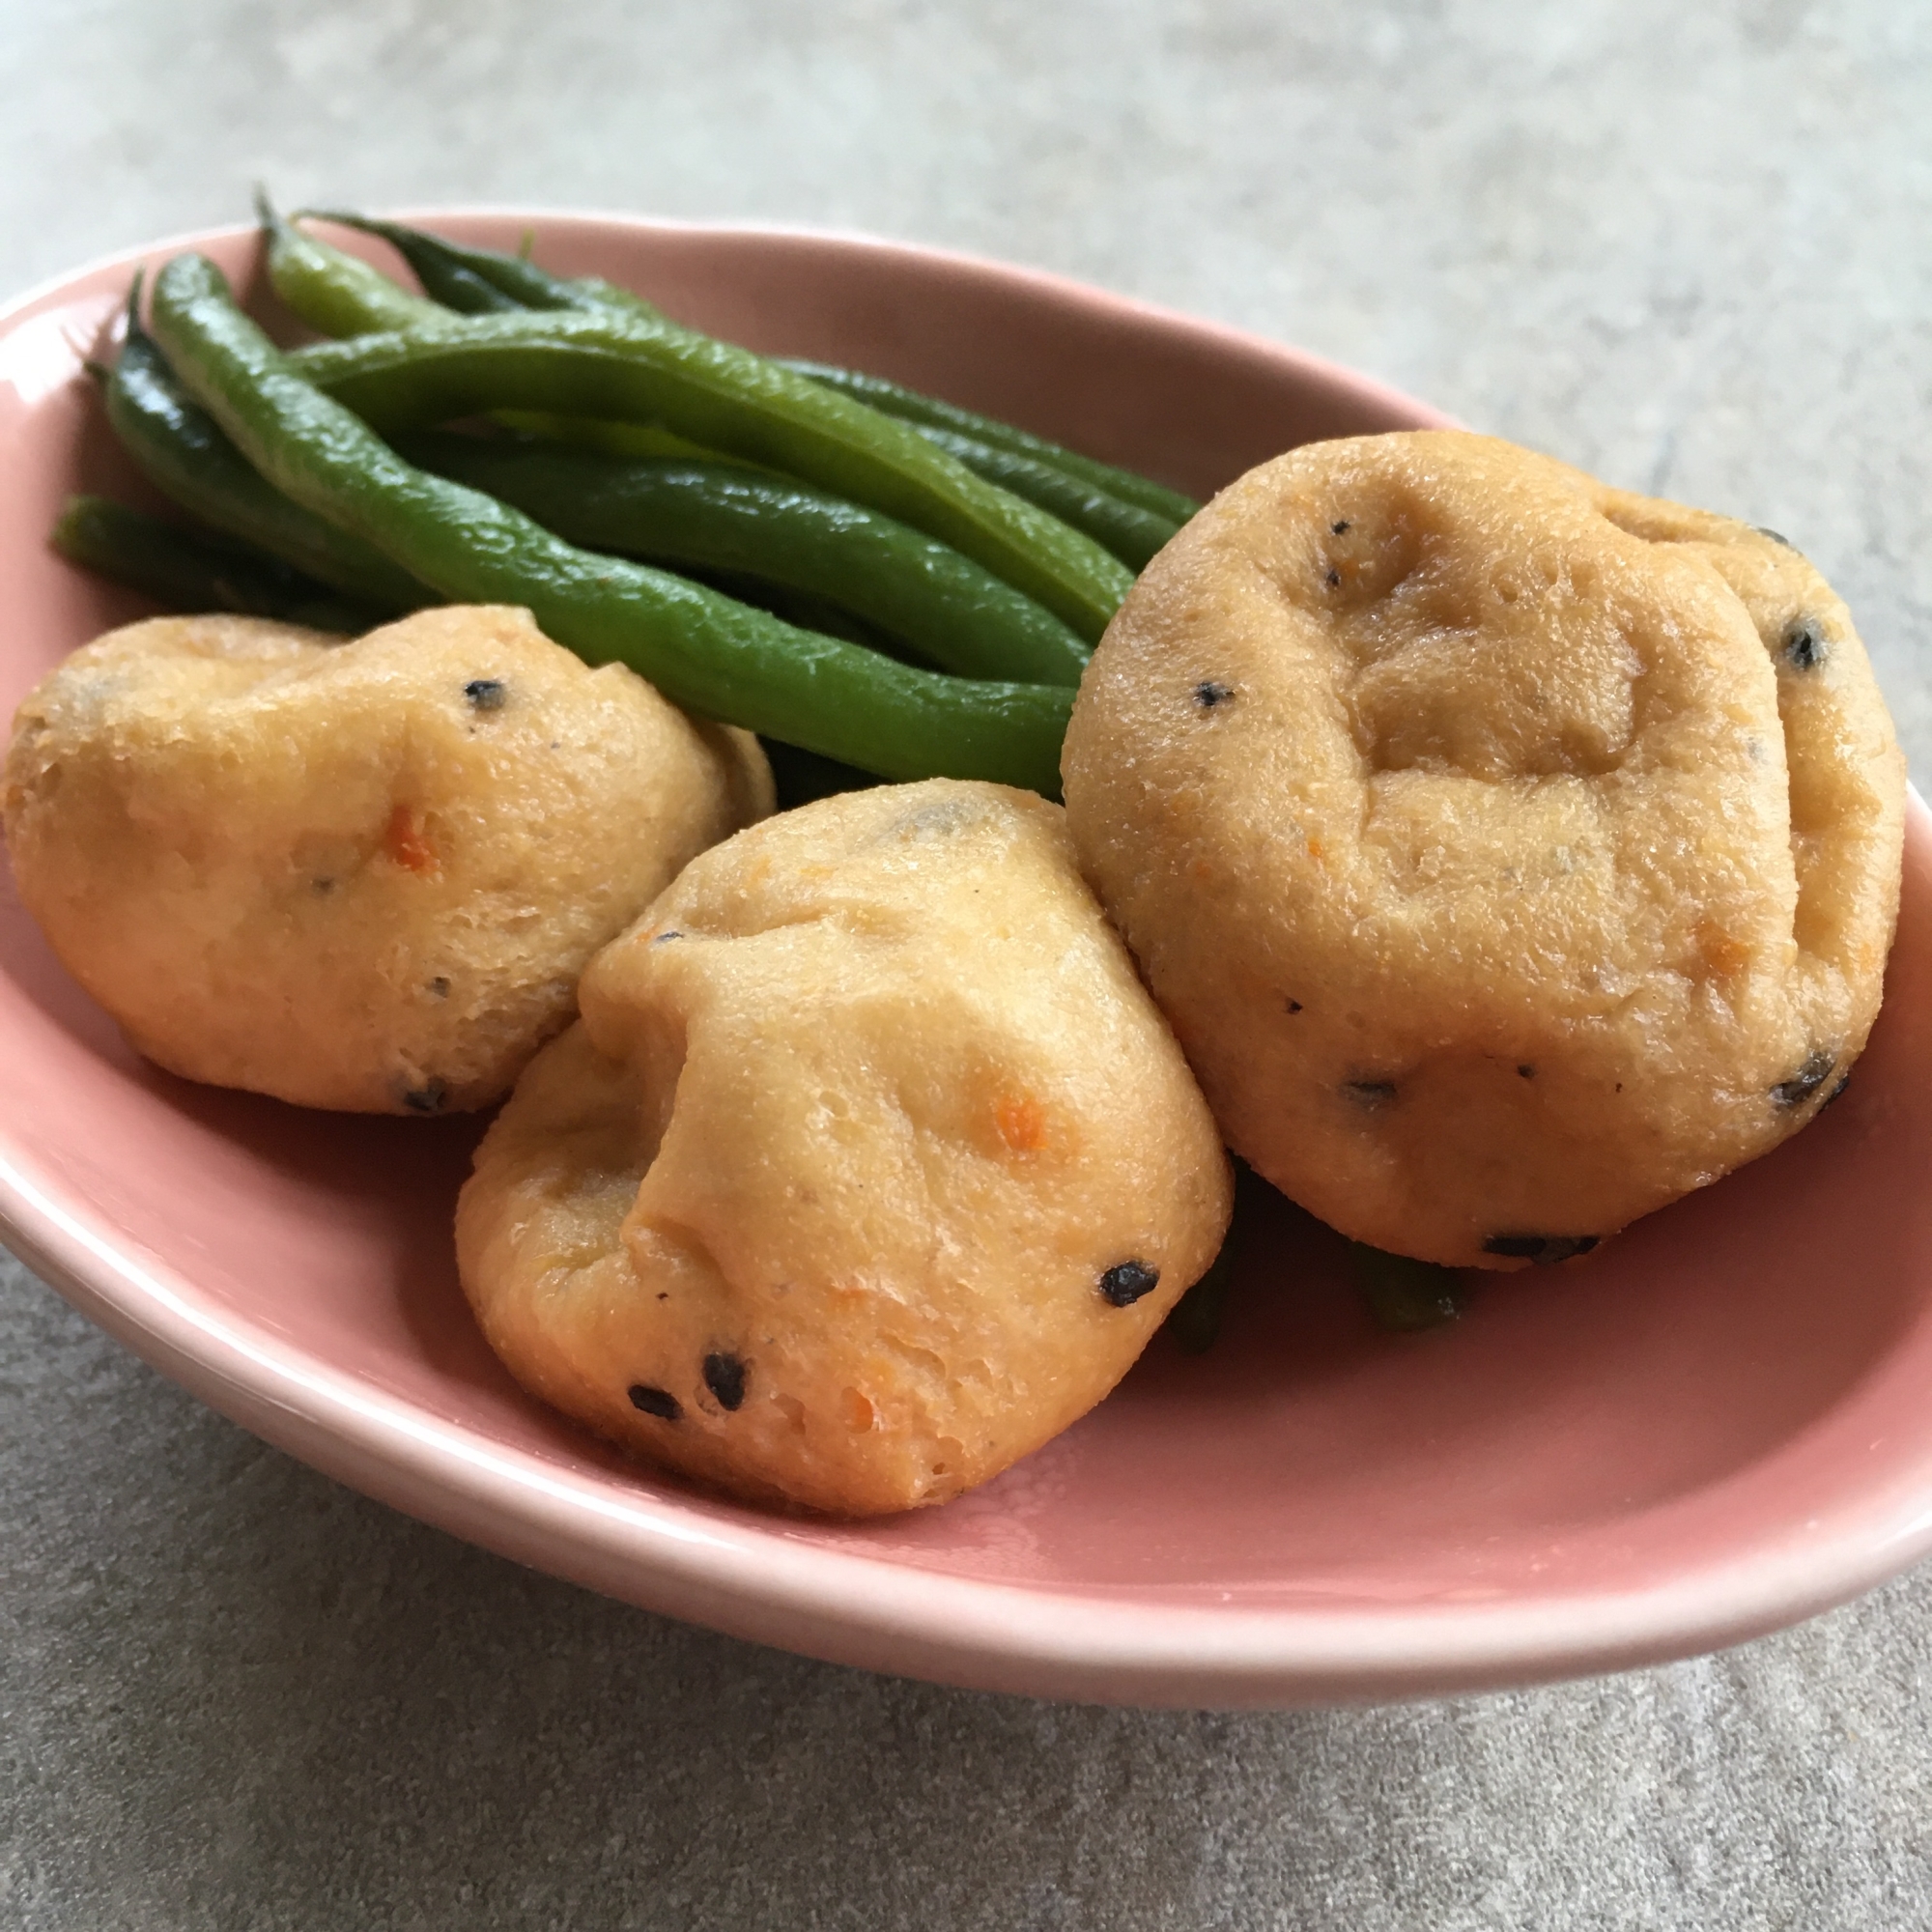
<point>1129,515</point>
<point>181,449</point>
<point>446,279</point>
<point>339,295</point>
<point>729,399</point>
<point>194,570</point>
<point>1404,1294</point>
<point>481,281</point>
<point>646,441</point>
<point>704,651</point>
<point>332,290</point>
<point>720,516</point>
<point>1132,534</point>
<point>798,607</point>
<point>894,401</point>
<point>1195,1320</point>
<point>800,777</point>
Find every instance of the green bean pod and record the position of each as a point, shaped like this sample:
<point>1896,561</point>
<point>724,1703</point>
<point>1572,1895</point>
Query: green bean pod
<point>446,279</point>
<point>195,570</point>
<point>332,290</point>
<point>718,517</point>
<point>182,450</point>
<point>1404,1294</point>
<point>339,295</point>
<point>646,441</point>
<point>1132,534</point>
<point>704,651</point>
<point>1129,515</point>
<point>727,399</point>
<point>892,400</point>
<point>483,281</point>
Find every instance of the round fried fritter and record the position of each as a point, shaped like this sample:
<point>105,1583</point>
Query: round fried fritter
<point>870,1167</point>
<point>1511,855</point>
<point>361,875</point>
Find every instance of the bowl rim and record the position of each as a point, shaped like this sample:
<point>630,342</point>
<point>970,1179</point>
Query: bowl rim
<point>757,1581</point>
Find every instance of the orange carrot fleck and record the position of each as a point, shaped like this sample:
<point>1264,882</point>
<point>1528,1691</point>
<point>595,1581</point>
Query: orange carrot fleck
<point>1723,957</point>
<point>404,841</point>
<point>1021,1121</point>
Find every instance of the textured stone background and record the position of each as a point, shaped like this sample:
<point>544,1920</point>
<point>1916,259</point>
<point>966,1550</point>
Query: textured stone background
<point>1686,247</point>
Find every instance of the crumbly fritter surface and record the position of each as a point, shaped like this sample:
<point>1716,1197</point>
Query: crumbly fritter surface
<point>1512,855</point>
<point>359,875</point>
<point>870,1167</point>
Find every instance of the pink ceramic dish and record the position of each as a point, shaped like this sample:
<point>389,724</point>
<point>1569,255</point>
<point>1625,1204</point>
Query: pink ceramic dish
<point>1718,1425</point>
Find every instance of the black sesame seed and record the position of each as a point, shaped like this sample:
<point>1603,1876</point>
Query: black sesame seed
<point>438,987</point>
<point>1208,694</point>
<point>1339,529</point>
<point>1369,1092</point>
<point>1126,1282</point>
<point>1542,1249</point>
<point>724,1378</point>
<point>657,1402</point>
<point>1844,1081</point>
<point>1777,536</point>
<point>1804,643</point>
<point>1526,1072</point>
<point>663,936</point>
<point>1294,1005</point>
<point>486,693</point>
<point>1806,1080</point>
<point>1333,578</point>
<point>430,1097</point>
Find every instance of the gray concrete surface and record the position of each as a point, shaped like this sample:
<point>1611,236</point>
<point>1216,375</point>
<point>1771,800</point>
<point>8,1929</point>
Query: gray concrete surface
<point>1683,245</point>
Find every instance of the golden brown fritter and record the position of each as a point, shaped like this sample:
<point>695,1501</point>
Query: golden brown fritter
<point>1511,855</point>
<point>870,1167</point>
<point>362,875</point>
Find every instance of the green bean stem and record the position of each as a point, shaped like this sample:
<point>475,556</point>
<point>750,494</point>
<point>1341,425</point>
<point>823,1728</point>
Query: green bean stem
<point>701,650</point>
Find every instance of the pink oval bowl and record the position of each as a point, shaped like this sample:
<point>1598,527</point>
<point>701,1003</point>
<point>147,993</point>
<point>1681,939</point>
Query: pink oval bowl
<point>1718,1425</point>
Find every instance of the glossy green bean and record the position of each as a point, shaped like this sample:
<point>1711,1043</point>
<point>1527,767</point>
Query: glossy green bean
<point>720,516</point>
<point>1129,515</point>
<point>195,570</point>
<point>701,650</point>
<point>340,295</point>
<point>601,364</point>
<point>182,450</point>
<point>893,400</point>
<point>482,281</point>
<point>1132,534</point>
<point>1404,1294</point>
<point>332,290</point>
